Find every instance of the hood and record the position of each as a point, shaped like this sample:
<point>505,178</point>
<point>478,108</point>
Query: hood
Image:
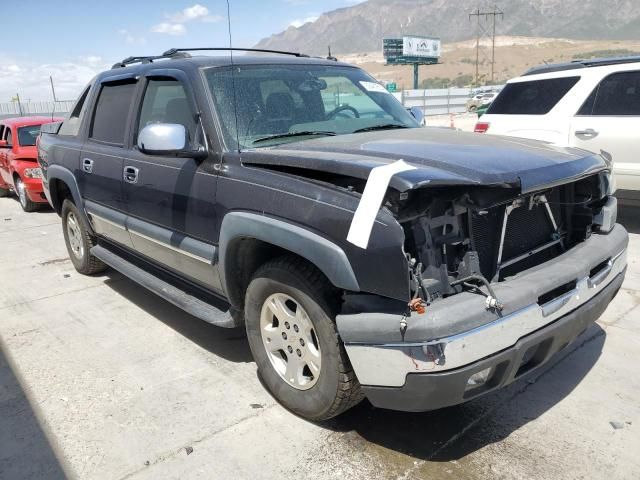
<point>441,157</point>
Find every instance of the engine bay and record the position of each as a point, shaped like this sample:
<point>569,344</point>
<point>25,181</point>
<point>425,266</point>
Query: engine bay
<point>458,239</point>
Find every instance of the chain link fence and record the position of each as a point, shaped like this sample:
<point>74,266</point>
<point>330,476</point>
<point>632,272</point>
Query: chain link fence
<point>14,109</point>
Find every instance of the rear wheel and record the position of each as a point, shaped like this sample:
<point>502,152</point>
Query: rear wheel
<point>26,204</point>
<point>289,311</point>
<point>79,241</point>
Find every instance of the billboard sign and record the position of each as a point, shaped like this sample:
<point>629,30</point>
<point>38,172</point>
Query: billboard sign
<point>421,47</point>
<point>410,50</point>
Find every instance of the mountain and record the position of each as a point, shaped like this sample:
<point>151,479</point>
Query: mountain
<point>361,28</point>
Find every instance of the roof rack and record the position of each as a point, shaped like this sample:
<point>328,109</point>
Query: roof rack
<point>578,64</point>
<point>183,53</point>
<point>145,59</point>
<point>173,51</point>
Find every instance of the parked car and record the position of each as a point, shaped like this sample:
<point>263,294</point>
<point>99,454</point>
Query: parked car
<point>19,170</point>
<point>482,110</point>
<point>235,189</point>
<point>593,104</point>
<point>480,100</point>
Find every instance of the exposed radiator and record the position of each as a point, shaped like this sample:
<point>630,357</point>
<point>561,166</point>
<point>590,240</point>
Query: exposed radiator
<point>530,237</point>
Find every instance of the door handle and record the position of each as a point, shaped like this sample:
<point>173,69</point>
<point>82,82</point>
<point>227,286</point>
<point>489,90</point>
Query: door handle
<point>130,174</point>
<point>87,165</point>
<point>589,132</point>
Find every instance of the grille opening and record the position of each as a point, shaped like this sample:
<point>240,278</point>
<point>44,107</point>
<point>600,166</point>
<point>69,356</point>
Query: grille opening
<point>556,292</point>
<point>527,229</point>
<point>598,268</point>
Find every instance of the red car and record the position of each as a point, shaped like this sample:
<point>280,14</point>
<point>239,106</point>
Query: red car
<point>19,170</point>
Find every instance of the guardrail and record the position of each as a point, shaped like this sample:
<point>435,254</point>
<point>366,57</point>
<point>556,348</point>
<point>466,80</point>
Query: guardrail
<point>436,101</point>
<point>442,101</point>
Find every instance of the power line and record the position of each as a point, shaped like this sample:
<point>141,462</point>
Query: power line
<point>481,31</point>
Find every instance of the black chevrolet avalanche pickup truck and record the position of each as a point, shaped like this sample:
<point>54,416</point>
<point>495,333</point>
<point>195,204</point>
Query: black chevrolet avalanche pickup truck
<point>366,256</point>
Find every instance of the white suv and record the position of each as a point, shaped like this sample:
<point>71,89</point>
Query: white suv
<point>593,104</point>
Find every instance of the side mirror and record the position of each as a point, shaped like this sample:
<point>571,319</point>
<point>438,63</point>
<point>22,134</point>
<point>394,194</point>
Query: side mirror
<point>417,113</point>
<point>167,139</point>
<point>3,144</point>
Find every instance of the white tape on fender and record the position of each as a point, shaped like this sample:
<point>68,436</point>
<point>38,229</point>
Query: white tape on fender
<point>371,200</point>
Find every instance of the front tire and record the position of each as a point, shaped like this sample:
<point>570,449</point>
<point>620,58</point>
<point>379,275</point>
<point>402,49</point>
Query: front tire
<point>79,241</point>
<point>26,204</point>
<point>289,309</point>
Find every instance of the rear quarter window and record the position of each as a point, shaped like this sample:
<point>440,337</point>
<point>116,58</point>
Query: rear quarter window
<point>71,124</point>
<point>536,97</point>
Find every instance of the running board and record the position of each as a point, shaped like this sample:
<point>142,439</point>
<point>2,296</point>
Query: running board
<point>180,298</point>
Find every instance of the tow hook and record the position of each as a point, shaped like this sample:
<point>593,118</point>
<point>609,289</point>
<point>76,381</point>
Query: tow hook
<point>417,305</point>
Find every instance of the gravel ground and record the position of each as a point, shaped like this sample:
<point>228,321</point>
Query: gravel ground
<point>101,379</point>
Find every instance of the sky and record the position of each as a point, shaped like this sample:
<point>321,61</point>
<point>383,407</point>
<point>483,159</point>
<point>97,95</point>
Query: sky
<point>72,40</point>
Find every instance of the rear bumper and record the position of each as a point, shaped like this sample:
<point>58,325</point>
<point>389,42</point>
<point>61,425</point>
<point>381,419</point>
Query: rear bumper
<point>458,335</point>
<point>430,391</point>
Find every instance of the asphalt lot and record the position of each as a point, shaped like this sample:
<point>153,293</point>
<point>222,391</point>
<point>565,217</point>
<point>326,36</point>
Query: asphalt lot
<point>101,379</point>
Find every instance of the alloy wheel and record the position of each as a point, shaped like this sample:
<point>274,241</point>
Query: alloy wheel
<point>75,236</point>
<point>22,193</point>
<point>290,340</point>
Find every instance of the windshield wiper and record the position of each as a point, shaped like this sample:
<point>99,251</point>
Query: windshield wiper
<point>295,134</point>
<point>384,126</point>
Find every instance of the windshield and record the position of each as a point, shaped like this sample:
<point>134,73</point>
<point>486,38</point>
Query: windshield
<point>278,104</point>
<point>27,135</point>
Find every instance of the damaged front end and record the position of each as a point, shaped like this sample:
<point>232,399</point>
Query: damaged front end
<point>487,257</point>
<point>500,283</point>
<point>466,239</point>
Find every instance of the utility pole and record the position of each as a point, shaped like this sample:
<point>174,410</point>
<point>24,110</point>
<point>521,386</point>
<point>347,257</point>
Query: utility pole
<point>17,99</point>
<point>53,90</point>
<point>481,31</point>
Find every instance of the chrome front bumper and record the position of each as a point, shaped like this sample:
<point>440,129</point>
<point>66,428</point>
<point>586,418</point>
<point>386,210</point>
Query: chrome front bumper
<point>388,363</point>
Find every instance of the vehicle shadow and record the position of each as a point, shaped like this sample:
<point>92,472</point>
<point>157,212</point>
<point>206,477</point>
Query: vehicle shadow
<point>228,343</point>
<point>25,451</point>
<point>438,436</point>
<point>629,217</point>
<point>454,432</point>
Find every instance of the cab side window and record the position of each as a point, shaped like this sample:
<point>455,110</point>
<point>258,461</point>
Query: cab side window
<point>166,101</point>
<point>8,137</point>
<point>111,112</point>
<point>617,95</point>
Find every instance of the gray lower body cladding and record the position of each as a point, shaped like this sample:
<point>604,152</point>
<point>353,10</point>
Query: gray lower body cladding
<point>425,391</point>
